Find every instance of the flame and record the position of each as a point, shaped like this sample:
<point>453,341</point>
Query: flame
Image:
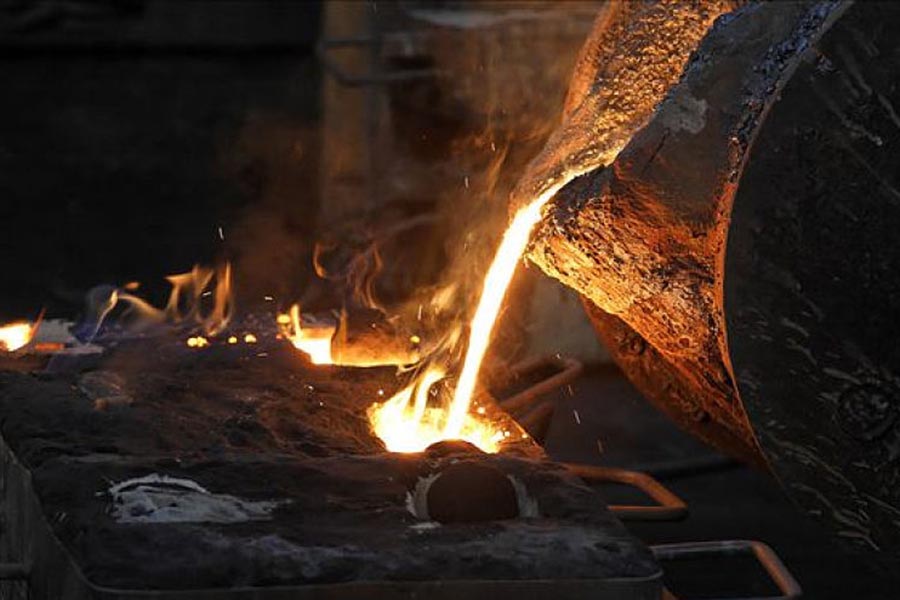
<point>15,336</point>
<point>405,422</point>
<point>189,288</point>
<point>410,429</point>
<point>315,341</point>
<point>187,301</point>
<point>327,342</point>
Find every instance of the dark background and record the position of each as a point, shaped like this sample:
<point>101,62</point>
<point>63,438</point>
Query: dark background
<point>131,131</point>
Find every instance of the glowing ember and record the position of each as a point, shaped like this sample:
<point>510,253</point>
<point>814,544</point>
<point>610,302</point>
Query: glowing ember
<point>314,341</point>
<point>198,341</point>
<point>15,336</point>
<point>410,429</point>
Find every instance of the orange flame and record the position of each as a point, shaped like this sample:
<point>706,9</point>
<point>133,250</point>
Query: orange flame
<point>409,429</point>
<point>313,340</point>
<point>327,342</point>
<point>186,301</point>
<point>188,289</point>
<point>15,336</point>
<point>405,422</point>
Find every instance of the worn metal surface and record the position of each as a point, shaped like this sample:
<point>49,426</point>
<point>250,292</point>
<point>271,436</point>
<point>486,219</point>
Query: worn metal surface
<point>669,506</point>
<point>812,280</point>
<point>643,239</point>
<point>664,384</point>
<point>768,560</point>
<point>635,53</point>
<point>739,254</point>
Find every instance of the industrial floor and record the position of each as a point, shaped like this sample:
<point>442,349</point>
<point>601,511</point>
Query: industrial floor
<point>603,420</point>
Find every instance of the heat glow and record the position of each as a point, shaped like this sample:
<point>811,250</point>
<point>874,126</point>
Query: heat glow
<point>404,423</point>
<point>15,336</point>
<point>312,340</point>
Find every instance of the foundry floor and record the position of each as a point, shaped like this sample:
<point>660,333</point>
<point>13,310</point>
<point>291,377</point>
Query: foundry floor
<point>726,500</point>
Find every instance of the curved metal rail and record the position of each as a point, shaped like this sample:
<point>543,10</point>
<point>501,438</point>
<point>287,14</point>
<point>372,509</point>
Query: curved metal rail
<point>669,506</point>
<point>781,577</point>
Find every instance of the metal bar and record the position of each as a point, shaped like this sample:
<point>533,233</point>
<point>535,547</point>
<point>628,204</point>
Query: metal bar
<point>670,508</point>
<point>538,417</point>
<point>570,369</point>
<point>781,577</point>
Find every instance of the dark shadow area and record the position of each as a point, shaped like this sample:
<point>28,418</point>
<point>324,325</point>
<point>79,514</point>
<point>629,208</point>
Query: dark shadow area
<point>139,138</point>
<point>726,500</point>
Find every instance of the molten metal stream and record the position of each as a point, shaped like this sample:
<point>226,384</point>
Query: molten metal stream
<point>406,428</point>
<point>497,281</point>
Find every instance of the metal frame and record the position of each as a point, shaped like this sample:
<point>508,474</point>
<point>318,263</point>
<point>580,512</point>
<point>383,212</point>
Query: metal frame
<point>670,507</point>
<point>767,558</point>
<point>569,370</point>
<point>529,406</point>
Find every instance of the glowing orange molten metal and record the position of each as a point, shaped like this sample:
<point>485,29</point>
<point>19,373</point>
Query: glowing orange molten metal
<point>410,429</point>
<point>405,422</point>
<point>314,341</point>
<point>15,336</point>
